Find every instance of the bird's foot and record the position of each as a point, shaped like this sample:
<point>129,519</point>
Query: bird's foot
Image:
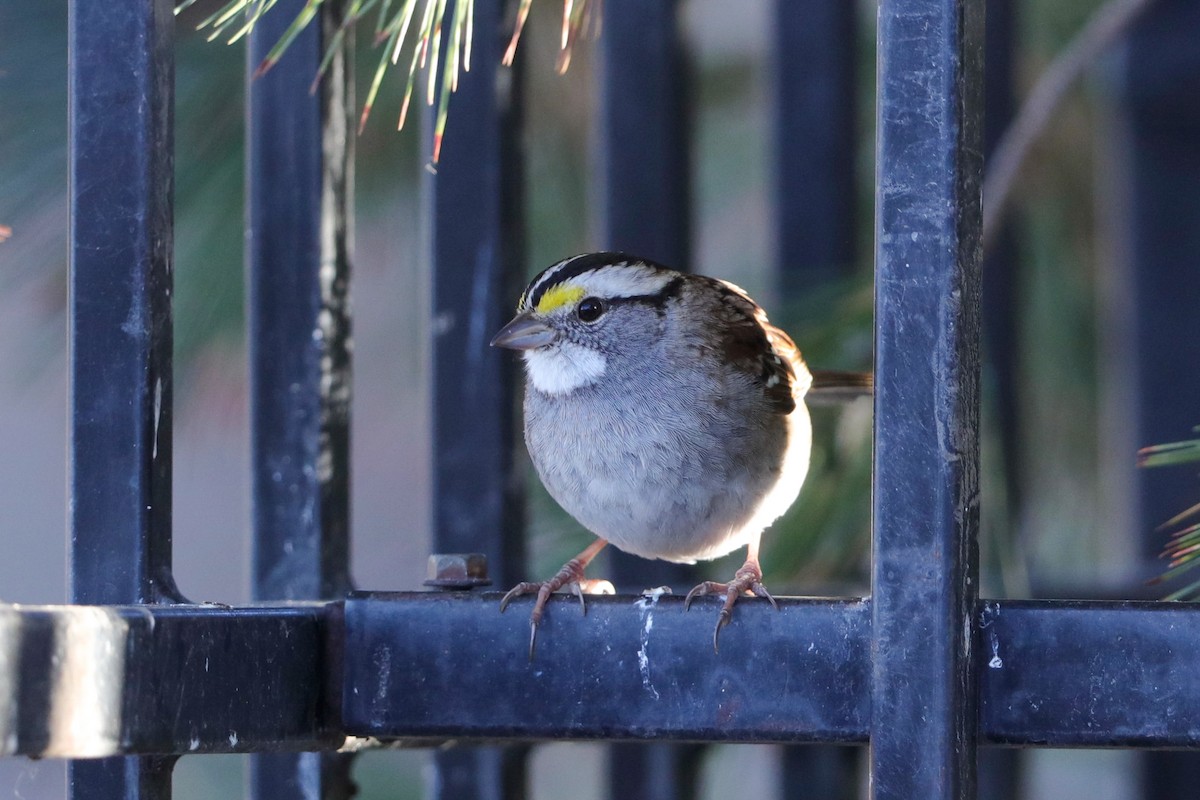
<point>570,577</point>
<point>747,580</point>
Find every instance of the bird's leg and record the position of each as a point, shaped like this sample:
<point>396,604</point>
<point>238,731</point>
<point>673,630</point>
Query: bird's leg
<point>571,576</point>
<point>747,580</point>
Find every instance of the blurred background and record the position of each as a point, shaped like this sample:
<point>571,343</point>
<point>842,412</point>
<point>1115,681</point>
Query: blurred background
<point>1062,514</point>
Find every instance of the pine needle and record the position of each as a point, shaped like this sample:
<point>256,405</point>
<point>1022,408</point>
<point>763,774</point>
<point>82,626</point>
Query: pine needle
<point>435,52</point>
<point>379,23</point>
<point>376,81</point>
<point>301,22</point>
<point>470,35</point>
<point>522,15</point>
<point>405,17</point>
<point>449,78</point>
<point>408,90</point>
<point>1188,591</point>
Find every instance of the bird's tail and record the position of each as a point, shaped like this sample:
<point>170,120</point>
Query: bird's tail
<point>836,386</point>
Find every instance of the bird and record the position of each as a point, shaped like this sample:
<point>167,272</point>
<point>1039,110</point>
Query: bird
<point>665,413</point>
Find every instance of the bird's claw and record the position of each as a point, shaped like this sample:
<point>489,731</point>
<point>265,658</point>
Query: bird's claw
<point>722,620</point>
<point>579,587</point>
<point>515,592</point>
<point>571,577</point>
<point>747,580</point>
<point>761,591</point>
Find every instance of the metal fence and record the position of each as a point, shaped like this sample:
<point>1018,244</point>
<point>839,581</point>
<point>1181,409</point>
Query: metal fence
<point>923,670</point>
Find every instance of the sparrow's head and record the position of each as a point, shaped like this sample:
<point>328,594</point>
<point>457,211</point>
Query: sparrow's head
<point>580,317</point>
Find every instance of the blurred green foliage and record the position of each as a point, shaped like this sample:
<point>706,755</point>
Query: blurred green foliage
<point>209,208</point>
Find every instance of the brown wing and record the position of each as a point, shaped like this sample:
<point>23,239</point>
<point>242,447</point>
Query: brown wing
<point>757,347</point>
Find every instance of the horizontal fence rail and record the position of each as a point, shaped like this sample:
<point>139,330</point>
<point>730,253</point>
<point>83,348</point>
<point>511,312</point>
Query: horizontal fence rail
<point>88,681</point>
<point>1052,673</point>
<point>640,670</point>
<point>98,681</point>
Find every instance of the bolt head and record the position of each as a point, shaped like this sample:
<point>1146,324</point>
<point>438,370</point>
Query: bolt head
<point>457,571</point>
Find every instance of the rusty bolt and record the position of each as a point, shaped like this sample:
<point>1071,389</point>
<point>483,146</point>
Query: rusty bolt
<point>457,571</point>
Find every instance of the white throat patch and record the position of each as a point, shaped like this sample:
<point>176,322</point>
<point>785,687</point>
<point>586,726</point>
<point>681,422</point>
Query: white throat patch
<point>563,368</point>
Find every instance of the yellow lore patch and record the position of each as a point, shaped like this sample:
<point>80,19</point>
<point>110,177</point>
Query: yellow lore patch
<point>558,296</point>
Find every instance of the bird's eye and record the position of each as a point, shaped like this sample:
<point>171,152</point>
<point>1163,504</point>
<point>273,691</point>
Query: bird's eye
<point>590,309</point>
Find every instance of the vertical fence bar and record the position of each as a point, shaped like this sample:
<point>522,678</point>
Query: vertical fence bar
<point>122,183</point>
<point>644,145</point>
<point>814,82</point>
<point>654,771</point>
<point>645,188</point>
<point>1000,268</point>
<point>1000,768</point>
<point>122,73</point>
<point>1162,121</point>
<point>476,236</point>
<point>815,88</point>
<point>1161,109</point>
<point>926,502</point>
<point>299,191</point>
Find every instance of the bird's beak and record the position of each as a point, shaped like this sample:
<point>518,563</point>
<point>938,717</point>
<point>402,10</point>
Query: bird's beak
<point>524,333</point>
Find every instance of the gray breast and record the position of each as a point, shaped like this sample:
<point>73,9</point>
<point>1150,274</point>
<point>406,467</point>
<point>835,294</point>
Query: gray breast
<point>673,475</point>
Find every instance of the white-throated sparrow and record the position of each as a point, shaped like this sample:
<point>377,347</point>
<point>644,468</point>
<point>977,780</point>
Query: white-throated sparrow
<point>664,412</point>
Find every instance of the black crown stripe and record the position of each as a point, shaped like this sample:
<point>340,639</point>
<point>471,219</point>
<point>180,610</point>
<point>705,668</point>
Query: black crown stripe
<point>574,267</point>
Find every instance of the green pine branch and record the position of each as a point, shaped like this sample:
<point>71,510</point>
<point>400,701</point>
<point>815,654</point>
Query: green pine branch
<point>442,50</point>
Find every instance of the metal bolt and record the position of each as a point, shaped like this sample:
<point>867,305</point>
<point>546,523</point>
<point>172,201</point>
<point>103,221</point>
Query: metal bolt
<point>457,571</point>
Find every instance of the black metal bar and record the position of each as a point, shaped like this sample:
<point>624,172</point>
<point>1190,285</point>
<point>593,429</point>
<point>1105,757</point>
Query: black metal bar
<point>633,668</point>
<point>1001,280</point>
<point>821,772</point>
<point>122,179</point>
<point>814,86</point>
<point>299,188</point>
<point>195,679</point>
<point>814,56</point>
<point>477,246</point>
<point>165,679</point>
<point>299,326</point>
<point>1088,674</point>
<point>644,146</point>
<point>1001,772</point>
<point>1162,119</point>
<point>147,776</point>
<point>1161,116</point>
<point>476,264</point>
<point>662,772</point>
<point>491,773</point>
<point>645,180</point>
<point>1000,769</point>
<point>1052,673</point>
<point>121,237</point>
<point>926,492</point>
